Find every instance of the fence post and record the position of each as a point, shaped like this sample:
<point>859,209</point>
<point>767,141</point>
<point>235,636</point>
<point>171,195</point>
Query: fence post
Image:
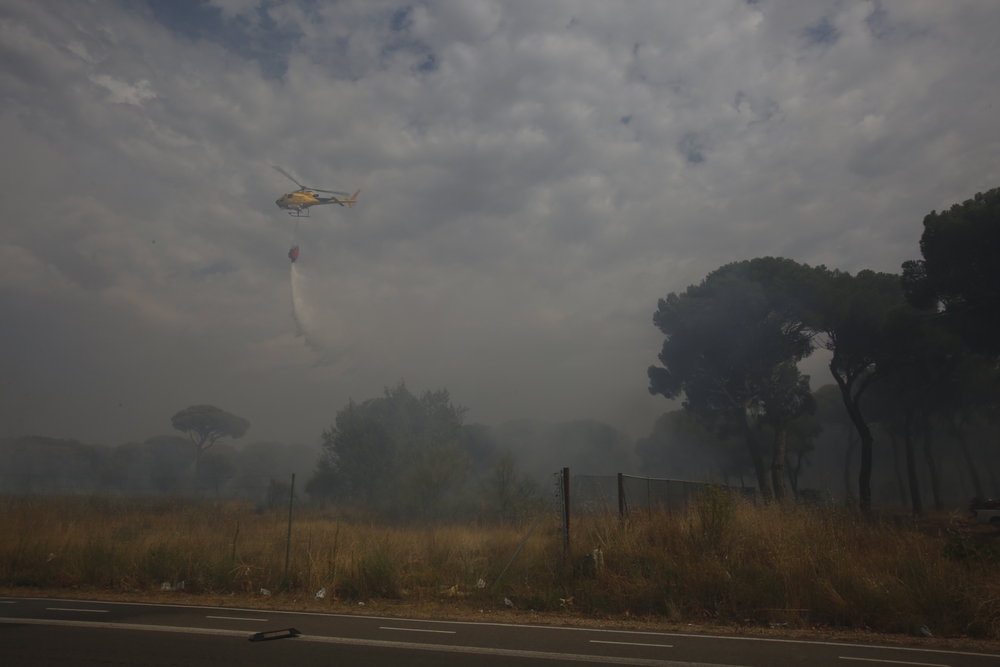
<point>566,500</point>
<point>288,543</point>
<point>621,496</point>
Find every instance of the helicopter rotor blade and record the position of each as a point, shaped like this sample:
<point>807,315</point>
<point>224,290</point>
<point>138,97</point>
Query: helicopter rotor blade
<point>332,192</point>
<point>288,176</point>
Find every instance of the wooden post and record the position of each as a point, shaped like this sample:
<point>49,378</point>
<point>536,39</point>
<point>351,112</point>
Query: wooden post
<point>566,500</point>
<point>288,543</point>
<point>621,496</point>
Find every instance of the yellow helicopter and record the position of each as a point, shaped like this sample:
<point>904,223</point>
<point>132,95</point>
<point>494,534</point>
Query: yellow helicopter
<point>297,203</point>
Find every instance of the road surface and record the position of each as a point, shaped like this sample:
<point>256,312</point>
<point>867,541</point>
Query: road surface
<point>46,631</point>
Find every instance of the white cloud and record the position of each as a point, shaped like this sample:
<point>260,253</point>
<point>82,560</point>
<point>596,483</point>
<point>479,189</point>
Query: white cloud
<point>122,92</point>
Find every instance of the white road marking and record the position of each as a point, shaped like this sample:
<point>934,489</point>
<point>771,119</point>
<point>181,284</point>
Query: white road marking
<point>8,601</point>
<point>892,662</point>
<point>689,635</point>
<point>85,611</point>
<point>599,641</point>
<point>379,643</point>
<point>438,632</point>
<point>238,618</point>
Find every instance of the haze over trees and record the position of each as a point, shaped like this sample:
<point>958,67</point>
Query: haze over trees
<point>913,407</point>
<point>727,341</point>
<point>733,341</point>
<point>395,451</point>
<point>411,455</point>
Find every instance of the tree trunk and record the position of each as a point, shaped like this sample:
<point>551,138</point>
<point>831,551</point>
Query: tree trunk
<point>994,480</point>
<point>977,483</point>
<point>911,463</point>
<point>197,474</point>
<point>758,461</point>
<point>854,410</point>
<point>895,467</point>
<point>932,466</point>
<point>852,443</point>
<point>778,464</point>
<point>793,475</point>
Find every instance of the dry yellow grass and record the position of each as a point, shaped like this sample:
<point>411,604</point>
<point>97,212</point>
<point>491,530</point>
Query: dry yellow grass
<point>724,561</point>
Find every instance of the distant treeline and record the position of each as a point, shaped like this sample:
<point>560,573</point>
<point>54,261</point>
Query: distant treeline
<point>159,465</point>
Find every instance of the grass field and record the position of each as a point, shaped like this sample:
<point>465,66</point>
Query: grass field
<point>721,561</point>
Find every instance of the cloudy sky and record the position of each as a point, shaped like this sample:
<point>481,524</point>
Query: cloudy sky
<point>534,177</point>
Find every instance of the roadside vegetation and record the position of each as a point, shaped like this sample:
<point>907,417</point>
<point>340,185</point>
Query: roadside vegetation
<point>721,561</point>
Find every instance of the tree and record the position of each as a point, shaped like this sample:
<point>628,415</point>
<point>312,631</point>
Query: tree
<point>218,467</point>
<point>801,433</point>
<point>726,337</point>
<point>850,313</point>
<point>511,491</point>
<point>682,444</point>
<point>882,409</point>
<point>960,271</point>
<point>204,424</point>
<point>398,450</point>
<point>923,361</point>
<point>785,398</point>
<point>968,396</point>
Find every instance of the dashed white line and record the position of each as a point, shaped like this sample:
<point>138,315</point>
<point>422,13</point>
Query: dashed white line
<point>892,662</point>
<point>8,601</point>
<point>238,618</point>
<point>84,611</point>
<point>437,632</point>
<point>687,635</point>
<point>601,641</point>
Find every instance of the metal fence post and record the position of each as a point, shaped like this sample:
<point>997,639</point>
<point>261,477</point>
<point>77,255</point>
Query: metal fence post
<point>288,543</point>
<point>566,500</point>
<point>621,496</point>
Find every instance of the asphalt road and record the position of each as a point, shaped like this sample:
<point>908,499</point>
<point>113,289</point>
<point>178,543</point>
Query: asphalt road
<point>46,631</point>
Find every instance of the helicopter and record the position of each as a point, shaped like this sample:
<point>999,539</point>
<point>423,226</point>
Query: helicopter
<point>297,203</point>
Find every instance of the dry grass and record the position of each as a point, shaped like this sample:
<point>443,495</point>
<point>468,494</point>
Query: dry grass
<point>723,561</point>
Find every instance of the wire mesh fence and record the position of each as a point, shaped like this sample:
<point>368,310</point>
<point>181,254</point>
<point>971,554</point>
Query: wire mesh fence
<point>594,494</point>
<point>589,494</point>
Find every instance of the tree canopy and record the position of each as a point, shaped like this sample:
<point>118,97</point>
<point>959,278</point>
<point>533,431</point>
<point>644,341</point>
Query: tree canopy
<point>960,270</point>
<point>395,451</point>
<point>204,424</point>
<point>726,338</point>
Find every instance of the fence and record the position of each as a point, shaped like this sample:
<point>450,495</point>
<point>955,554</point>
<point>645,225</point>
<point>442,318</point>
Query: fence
<point>594,494</point>
<point>589,494</point>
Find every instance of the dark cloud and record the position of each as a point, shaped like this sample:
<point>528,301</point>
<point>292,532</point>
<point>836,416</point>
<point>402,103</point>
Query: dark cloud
<point>821,32</point>
<point>253,34</point>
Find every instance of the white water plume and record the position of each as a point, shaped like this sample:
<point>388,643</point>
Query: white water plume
<point>302,313</point>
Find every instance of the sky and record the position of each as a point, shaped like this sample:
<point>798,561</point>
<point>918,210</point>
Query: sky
<point>534,176</point>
